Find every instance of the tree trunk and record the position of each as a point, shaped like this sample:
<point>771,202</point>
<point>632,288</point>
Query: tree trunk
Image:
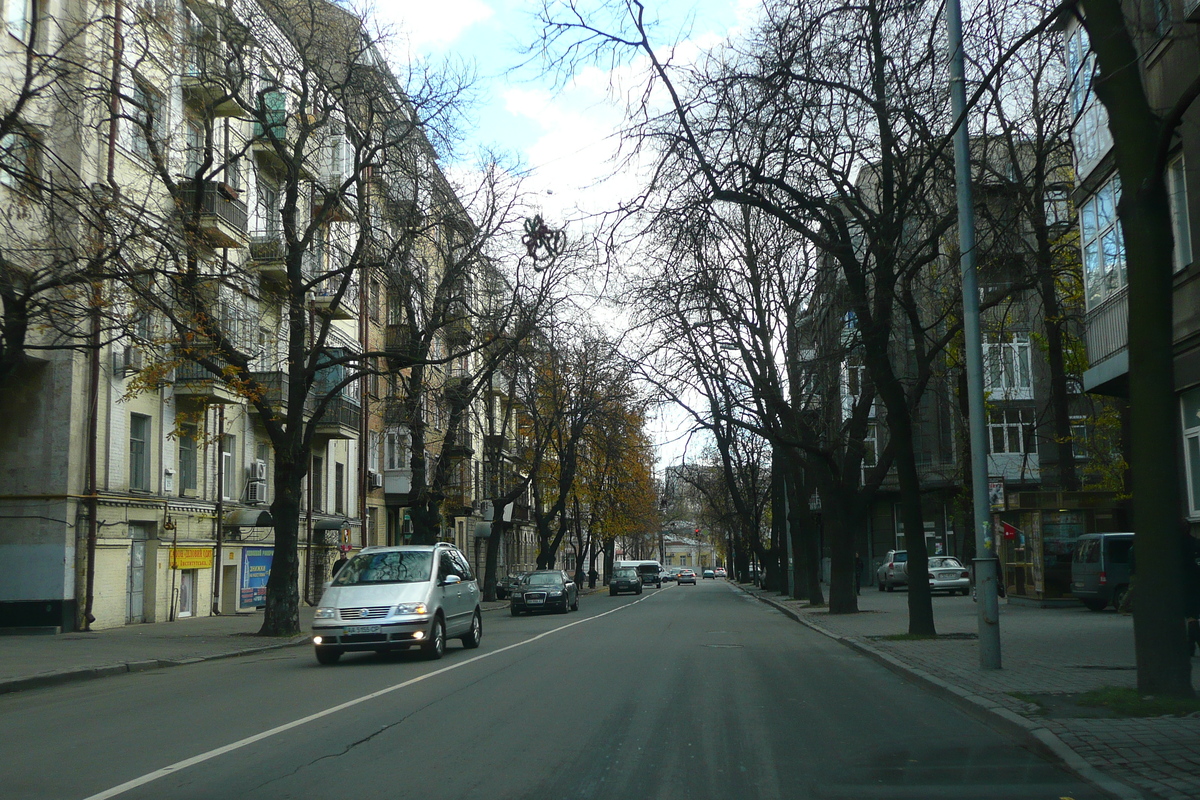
<point>282,614</point>
<point>1160,641</point>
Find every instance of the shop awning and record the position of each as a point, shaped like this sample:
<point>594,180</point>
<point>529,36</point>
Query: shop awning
<point>248,518</point>
<point>336,524</point>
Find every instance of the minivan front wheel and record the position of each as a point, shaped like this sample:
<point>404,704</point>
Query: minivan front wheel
<point>475,635</point>
<point>327,655</point>
<point>435,646</point>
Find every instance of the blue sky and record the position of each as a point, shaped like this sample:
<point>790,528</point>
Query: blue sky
<point>564,137</point>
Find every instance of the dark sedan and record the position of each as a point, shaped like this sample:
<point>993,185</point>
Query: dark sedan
<point>625,579</point>
<point>545,589</point>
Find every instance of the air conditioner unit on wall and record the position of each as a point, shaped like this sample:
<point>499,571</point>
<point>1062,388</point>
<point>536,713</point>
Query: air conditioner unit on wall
<point>258,470</point>
<point>374,479</point>
<point>256,492</point>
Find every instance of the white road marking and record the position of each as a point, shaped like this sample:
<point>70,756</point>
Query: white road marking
<point>150,777</point>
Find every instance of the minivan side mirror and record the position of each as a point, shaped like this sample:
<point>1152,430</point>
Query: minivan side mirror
<point>450,580</point>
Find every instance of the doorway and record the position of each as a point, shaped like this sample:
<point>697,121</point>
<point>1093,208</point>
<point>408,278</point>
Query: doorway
<point>135,605</point>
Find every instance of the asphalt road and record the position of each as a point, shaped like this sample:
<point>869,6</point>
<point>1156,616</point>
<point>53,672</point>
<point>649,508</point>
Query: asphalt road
<point>699,692</point>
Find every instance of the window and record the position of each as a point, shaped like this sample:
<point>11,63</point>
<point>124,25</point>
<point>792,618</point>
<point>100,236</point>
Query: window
<point>268,208</point>
<point>139,452</point>
<point>19,18</point>
<point>1011,430</point>
<point>854,385</point>
<point>1079,438</point>
<point>1103,244</point>
<point>1180,224</point>
<point>187,457</point>
<point>871,447</point>
<point>228,466</point>
<point>395,450</point>
<point>339,488</point>
<point>1008,372</point>
<point>147,120</point>
<point>193,147</point>
<point>1190,405</point>
<point>373,440</point>
<point>318,486</point>
<point>18,160</point>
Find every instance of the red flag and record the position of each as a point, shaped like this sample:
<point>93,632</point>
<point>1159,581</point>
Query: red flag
<point>1009,531</point>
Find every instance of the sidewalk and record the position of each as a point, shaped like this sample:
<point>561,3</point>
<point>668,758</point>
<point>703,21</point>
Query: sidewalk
<point>28,662</point>
<point>1045,652</point>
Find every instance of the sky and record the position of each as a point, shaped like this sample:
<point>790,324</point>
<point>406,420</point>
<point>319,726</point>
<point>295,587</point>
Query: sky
<point>564,137</point>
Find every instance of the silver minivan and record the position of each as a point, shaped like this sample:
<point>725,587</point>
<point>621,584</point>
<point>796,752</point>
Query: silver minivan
<point>1100,569</point>
<point>394,598</point>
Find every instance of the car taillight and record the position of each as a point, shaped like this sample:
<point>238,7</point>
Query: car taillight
<point>964,574</point>
<point>1103,579</point>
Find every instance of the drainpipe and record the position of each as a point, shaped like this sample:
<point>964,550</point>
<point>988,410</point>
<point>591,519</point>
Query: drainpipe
<point>364,424</point>
<point>85,620</point>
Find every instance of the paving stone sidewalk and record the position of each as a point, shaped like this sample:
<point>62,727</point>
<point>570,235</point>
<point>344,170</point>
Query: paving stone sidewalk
<point>1044,651</point>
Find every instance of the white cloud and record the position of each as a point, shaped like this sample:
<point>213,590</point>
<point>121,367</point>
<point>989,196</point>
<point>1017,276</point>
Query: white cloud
<point>433,23</point>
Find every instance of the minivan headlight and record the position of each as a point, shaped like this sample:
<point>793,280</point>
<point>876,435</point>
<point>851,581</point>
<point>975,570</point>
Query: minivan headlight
<point>412,608</point>
<point>325,613</point>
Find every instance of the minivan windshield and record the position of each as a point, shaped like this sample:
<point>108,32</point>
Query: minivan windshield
<point>403,566</point>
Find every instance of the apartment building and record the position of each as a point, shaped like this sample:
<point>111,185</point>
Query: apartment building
<point>262,193</point>
<point>1164,34</point>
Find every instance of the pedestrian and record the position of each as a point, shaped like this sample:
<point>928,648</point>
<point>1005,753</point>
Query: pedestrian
<point>858,571</point>
<point>337,565</point>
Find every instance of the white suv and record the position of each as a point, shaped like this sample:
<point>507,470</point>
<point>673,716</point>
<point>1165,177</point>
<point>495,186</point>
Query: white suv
<point>393,598</point>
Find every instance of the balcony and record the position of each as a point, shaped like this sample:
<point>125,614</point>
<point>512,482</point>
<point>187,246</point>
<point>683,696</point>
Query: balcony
<point>268,256</point>
<point>459,331</point>
<point>398,344</point>
<point>274,389</point>
<point>275,138</point>
<point>1106,333</point>
<point>463,446</point>
<point>195,382</point>
<point>397,481</point>
<point>396,412</point>
<point>206,82</point>
<point>342,418</point>
<point>221,216</point>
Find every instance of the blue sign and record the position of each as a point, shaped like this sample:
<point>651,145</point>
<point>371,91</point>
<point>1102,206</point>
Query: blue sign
<point>256,568</point>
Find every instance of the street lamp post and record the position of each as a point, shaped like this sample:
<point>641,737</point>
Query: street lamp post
<point>985,559</point>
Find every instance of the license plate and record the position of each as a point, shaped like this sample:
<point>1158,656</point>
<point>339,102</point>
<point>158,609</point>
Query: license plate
<point>353,629</point>
<point>534,602</point>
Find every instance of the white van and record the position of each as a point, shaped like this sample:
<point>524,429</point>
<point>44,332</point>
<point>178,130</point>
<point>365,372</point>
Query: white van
<point>394,598</point>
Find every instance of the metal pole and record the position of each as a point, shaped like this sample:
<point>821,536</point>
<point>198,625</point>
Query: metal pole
<point>985,560</point>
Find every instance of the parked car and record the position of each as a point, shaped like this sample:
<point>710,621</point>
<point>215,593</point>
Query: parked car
<point>545,589</point>
<point>670,574</point>
<point>394,598</point>
<point>721,573</point>
<point>506,585</point>
<point>947,574</point>
<point>1100,569</point>
<point>708,573</point>
<point>893,571</point>
<point>687,576</point>
<point>625,579</point>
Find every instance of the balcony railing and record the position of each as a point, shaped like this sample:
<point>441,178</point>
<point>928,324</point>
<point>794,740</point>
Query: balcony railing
<point>194,380</point>
<point>1106,327</point>
<point>274,388</point>
<point>341,419</point>
<point>222,215</point>
<point>268,253</point>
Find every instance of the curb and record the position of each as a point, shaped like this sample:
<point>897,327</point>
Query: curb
<point>123,668</point>
<point>980,708</point>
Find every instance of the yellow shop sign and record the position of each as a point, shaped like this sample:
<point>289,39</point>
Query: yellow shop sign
<point>191,558</point>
